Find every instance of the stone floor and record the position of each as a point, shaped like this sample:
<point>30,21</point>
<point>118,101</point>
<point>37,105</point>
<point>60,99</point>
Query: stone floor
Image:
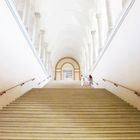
<point>65,84</point>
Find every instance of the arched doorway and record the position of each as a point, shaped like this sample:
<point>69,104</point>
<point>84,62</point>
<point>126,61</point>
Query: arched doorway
<point>67,72</point>
<point>67,69</point>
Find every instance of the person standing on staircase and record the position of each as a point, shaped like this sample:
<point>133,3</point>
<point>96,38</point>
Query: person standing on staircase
<point>90,80</point>
<point>82,80</point>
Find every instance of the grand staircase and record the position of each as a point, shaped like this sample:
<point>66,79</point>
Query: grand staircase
<point>69,114</point>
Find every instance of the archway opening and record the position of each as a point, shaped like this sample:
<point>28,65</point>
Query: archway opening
<point>67,72</point>
<point>67,69</point>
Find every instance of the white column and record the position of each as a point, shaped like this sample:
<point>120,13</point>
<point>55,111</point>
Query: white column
<point>41,44</point>
<point>46,56</point>
<point>100,32</point>
<point>19,6</point>
<point>87,61</point>
<point>124,3</point>
<point>16,3</point>
<point>31,19</point>
<point>94,55</point>
<point>90,55</point>
<point>26,13</point>
<point>83,60</point>
<point>45,53</point>
<point>36,31</point>
<point>84,65</point>
<point>109,16</point>
<point>49,62</point>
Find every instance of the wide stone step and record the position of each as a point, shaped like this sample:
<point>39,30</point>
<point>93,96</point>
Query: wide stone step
<point>36,138</point>
<point>70,116</point>
<point>68,102</point>
<point>51,112</point>
<point>63,95</point>
<point>65,98</point>
<point>67,105</point>
<point>71,124</point>
<point>71,135</point>
<point>73,131</point>
<point>68,129</point>
<point>74,120</point>
<point>98,109</point>
<point>75,105</point>
<point>78,138</point>
<point>60,112</point>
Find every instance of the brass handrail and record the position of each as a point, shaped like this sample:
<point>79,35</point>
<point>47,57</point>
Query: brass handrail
<point>21,84</point>
<point>43,80</point>
<point>95,83</point>
<point>119,85</point>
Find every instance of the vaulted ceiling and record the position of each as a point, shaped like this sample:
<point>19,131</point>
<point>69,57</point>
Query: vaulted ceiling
<point>67,24</point>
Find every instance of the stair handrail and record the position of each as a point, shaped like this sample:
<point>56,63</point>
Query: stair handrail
<point>21,84</point>
<point>43,80</point>
<point>119,85</point>
<point>95,83</point>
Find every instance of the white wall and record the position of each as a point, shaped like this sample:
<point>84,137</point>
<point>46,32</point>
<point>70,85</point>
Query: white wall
<point>121,61</point>
<point>18,63</point>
